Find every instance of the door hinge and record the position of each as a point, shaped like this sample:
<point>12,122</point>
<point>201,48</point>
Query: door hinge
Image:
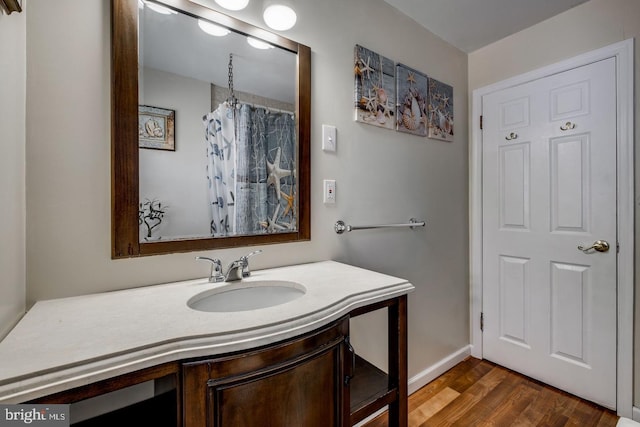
<point>481,118</point>
<point>482,321</point>
<point>617,247</point>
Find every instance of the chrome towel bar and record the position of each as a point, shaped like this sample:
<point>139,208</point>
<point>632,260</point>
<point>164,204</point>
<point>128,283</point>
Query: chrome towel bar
<point>341,227</point>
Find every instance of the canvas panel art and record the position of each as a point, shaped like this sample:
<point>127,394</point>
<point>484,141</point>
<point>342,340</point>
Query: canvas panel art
<point>375,92</point>
<point>412,88</point>
<point>440,110</point>
<point>156,128</point>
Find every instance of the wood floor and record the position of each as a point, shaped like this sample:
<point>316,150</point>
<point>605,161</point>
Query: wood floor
<point>480,393</point>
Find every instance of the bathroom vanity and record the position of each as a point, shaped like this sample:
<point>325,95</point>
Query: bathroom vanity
<point>287,364</point>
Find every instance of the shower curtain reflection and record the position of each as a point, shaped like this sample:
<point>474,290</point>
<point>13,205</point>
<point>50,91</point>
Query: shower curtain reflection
<point>251,170</point>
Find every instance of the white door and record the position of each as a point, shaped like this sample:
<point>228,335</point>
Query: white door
<point>549,186</point>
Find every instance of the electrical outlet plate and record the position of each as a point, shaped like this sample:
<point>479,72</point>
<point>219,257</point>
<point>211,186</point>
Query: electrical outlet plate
<point>329,186</point>
<point>329,141</point>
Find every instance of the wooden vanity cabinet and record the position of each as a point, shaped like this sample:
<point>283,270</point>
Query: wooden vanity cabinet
<point>312,380</point>
<point>300,382</point>
<point>371,389</point>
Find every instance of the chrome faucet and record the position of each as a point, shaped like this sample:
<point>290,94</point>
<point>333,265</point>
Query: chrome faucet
<point>215,275</point>
<point>246,272</point>
<point>239,268</point>
<point>236,270</point>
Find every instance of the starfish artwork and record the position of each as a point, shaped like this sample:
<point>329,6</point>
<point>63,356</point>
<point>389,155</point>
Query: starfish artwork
<point>387,109</point>
<point>411,109</point>
<point>272,223</point>
<point>375,88</point>
<point>276,173</point>
<point>371,101</point>
<point>290,198</point>
<point>440,110</point>
<point>366,68</point>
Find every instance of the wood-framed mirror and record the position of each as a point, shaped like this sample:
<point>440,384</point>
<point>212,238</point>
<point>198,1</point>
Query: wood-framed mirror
<point>290,189</point>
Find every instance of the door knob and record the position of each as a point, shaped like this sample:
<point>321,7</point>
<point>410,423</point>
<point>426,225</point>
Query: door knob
<point>598,245</point>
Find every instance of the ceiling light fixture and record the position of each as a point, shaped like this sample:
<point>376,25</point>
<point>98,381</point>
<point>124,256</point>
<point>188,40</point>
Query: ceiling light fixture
<point>233,4</point>
<point>258,44</point>
<point>279,17</point>
<point>160,9</point>
<point>212,29</point>
<point>10,6</point>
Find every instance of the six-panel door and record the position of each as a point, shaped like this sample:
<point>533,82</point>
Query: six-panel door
<point>549,187</point>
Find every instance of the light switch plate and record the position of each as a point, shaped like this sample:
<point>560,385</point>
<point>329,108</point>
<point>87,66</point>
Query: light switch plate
<point>329,141</point>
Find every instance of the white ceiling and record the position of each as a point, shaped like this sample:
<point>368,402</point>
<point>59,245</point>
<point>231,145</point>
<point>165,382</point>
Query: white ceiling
<point>472,24</point>
<point>175,44</point>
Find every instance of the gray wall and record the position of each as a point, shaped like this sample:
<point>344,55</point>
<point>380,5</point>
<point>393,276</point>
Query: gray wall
<point>178,178</point>
<point>382,176</point>
<point>12,169</point>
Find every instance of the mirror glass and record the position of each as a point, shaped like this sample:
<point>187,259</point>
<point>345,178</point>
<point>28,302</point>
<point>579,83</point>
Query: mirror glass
<point>195,166</point>
<point>217,130</point>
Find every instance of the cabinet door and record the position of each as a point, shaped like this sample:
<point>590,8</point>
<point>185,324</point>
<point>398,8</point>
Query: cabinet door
<point>296,383</point>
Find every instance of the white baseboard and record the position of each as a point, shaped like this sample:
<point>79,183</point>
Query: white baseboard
<point>434,371</point>
<point>636,413</point>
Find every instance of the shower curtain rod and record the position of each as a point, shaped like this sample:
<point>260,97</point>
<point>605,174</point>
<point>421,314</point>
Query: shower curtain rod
<point>273,109</point>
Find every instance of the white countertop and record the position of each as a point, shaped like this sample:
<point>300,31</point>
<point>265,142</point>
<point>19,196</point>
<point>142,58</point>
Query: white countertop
<point>65,343</point>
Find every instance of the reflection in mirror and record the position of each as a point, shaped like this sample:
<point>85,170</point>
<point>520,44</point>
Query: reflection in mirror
<point>218,152</point>
<point>170,96</point>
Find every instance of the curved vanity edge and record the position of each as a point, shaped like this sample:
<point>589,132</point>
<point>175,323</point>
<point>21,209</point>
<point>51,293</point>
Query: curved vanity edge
<point>55,380</point>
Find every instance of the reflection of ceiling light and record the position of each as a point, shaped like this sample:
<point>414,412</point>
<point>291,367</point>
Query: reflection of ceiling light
<point>213,29</point>
<point>160,9</point>
<point>233,4</point>
<point>279,17</point>
<point>258,44</point>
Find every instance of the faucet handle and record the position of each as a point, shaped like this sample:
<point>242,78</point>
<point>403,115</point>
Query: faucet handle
<point>246,272</point>
<point>215,275</point>
<point>244,258</point>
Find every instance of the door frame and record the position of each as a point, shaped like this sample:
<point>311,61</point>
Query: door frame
<point>623,53</point>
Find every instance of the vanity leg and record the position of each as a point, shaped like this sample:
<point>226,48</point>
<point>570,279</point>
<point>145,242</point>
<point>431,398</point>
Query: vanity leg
<point>397,342</point>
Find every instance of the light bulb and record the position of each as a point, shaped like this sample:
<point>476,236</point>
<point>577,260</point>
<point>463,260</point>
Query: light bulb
<point>233,4</point>
<point>212,29</point>
<point>258,44</point>
<point>279,17</point>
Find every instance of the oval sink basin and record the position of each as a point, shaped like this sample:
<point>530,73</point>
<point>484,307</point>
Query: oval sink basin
<point>246,296</point>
